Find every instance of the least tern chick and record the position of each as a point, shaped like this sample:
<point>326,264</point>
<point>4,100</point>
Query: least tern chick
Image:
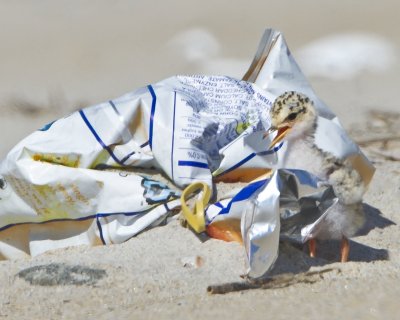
<point>294,118</point>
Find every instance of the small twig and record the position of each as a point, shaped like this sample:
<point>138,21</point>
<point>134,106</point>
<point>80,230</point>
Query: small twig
<point>384,115</point>
<point>279,281</point>
<point>385,156</point>
<point>384,139</point>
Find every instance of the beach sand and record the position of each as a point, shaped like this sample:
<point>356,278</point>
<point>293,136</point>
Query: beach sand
<point>59,56</point>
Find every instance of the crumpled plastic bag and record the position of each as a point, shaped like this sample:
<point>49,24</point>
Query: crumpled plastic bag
<point>190,128</point>
<point>286,206</point>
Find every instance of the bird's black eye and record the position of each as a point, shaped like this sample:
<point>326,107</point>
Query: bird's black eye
<point>291,116</point>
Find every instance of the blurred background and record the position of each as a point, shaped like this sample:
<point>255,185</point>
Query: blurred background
<point>57,56</point>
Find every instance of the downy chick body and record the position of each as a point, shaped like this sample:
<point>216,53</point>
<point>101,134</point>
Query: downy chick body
<point>294,116</point>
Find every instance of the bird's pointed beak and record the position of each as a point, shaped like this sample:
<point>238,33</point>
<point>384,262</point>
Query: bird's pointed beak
<point>282,132</point>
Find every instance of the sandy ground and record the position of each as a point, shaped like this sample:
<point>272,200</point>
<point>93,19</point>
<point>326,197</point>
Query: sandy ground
<point>57,56</point>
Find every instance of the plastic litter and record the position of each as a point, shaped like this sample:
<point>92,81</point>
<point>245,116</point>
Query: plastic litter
<point>79,179</point>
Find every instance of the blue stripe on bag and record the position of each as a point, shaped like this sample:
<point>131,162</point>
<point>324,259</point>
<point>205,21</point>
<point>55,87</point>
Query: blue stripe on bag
<point>89,125</point>
<point>100,230</point>
<point>251,156</point>
<point>242,195</point>
<point>85,119</point>
<point>153,110</point>
<point>193,164</point>
<point>93,216</point>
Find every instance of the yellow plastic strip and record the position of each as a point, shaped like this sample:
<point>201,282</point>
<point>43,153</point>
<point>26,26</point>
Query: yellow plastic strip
<point>195,218</point>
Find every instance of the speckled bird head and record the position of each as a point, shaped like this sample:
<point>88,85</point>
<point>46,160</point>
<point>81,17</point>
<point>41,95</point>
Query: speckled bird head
<point>293,115</point>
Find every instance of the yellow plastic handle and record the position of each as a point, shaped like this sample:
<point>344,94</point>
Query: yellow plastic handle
<point>195,218</point>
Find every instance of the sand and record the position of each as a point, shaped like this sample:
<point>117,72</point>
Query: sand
<point>57,56</point>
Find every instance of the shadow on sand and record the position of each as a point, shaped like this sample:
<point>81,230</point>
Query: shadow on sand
<point>294,258</point>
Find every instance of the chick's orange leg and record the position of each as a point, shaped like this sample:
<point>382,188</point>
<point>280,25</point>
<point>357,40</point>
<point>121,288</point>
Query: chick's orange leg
<point>344,250</point>
<point>312,247</point>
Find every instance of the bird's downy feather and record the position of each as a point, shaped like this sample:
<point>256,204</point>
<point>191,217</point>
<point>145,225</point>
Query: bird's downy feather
<point>296,111</point>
